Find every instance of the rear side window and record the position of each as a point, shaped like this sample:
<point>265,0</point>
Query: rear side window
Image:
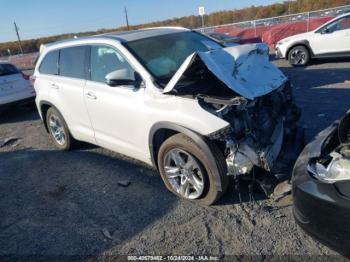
<point>49,65</point>
<point>72,62</point>
<point>8,69</point>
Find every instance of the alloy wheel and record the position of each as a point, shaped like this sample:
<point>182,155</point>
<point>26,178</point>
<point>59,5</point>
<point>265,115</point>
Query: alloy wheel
<point>184,173</point>
<point>298,57</point>
<point>57,130</point>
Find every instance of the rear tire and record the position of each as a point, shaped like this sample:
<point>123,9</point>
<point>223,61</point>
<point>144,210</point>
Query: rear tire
<point>195,181</point>
<point>58,129</point>
<point>299,56</point>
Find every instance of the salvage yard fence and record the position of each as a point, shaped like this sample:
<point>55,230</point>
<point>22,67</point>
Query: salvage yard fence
<point>271,30</point>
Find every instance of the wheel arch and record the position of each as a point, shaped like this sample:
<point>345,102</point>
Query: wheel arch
<point>163,130</point>
<point>304,43</point>
<point>44,107</point>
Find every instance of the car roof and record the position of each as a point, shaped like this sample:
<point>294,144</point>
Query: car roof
<point>144,33</point>
<point>126,36</point>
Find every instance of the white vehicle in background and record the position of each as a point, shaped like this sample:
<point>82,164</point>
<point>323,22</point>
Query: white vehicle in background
<point>329,40</point>
<point>15,86</point>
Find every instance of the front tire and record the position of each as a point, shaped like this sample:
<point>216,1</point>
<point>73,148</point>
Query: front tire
<point>58,129</point>
<point>185,170</point>
<point>299,56</point>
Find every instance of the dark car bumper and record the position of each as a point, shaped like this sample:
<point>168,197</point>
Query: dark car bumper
<point>319,208</point>
<point>25,101</point>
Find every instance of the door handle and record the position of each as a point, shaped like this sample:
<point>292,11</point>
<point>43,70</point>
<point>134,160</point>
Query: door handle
<point>54,86</point>
<point>90,96</point>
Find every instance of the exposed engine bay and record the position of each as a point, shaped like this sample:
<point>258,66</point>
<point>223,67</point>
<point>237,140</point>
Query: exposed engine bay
<point>257,128</point>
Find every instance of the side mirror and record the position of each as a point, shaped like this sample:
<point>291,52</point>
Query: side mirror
<point>122,77</point>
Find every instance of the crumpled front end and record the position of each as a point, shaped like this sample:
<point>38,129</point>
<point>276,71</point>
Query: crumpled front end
<point>241,86</point>
<point>258,129</point>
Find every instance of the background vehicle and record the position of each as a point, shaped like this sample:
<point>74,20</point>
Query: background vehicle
<point>14,85</point>
<point>159,96</point>
<point>330,40</point>
<point>321,187</point>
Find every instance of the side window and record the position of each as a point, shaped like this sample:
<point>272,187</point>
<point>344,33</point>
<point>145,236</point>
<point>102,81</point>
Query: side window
<point>340,24</point>
<point>105,60</point>
<point>72,62</point>
<point>345,23</point>
<point>49,65</point>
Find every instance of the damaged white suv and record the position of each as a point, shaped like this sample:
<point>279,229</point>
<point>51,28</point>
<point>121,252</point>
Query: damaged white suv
<point>170,97</point>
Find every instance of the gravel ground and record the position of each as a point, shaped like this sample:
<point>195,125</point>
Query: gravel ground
<point>70,203</point>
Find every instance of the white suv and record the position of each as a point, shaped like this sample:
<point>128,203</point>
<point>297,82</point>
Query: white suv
<point>329,40</point>
<point>172,98</point>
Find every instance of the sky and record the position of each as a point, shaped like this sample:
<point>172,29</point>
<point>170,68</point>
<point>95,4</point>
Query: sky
<point>37,18</point>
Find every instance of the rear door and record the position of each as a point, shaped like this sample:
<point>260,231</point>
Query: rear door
<point>67,91</point>
<point>61,81</point>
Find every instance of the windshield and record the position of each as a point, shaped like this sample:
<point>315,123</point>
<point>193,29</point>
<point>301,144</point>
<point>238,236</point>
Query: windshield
<point>163,55</point>
<point>7,69</point>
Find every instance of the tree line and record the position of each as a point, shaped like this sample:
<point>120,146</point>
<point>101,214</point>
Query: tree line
<point>216,18</point>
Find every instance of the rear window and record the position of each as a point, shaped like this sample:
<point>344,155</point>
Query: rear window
<point>72,62</point>
<point>49,65</point>
<point>8,69</point>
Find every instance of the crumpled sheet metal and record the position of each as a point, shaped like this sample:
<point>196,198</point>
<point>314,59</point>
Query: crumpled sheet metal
<point>245,69</point>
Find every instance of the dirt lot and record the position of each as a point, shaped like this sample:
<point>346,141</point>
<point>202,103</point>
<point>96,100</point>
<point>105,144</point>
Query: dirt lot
<point>70,203</point>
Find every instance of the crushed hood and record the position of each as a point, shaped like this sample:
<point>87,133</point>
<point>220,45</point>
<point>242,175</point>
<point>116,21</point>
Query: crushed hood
<point>245,69</point>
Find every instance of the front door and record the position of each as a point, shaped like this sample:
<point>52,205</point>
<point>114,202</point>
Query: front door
<point>116,112</point>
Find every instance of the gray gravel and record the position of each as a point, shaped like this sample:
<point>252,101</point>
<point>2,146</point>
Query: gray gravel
<point>73,203</point>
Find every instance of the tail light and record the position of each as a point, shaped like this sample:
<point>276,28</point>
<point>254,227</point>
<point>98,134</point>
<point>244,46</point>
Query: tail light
<point>26,77</point>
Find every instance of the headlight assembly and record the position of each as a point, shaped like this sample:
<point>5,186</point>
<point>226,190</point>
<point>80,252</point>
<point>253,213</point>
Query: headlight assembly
<point>337,170</point>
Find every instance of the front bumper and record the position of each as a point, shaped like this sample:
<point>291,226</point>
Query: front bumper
<point>319,208</point>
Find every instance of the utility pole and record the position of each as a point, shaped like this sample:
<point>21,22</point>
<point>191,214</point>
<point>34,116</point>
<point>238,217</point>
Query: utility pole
<point>201,11</point>
<point>19,39</point>
<point>126,18</point>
